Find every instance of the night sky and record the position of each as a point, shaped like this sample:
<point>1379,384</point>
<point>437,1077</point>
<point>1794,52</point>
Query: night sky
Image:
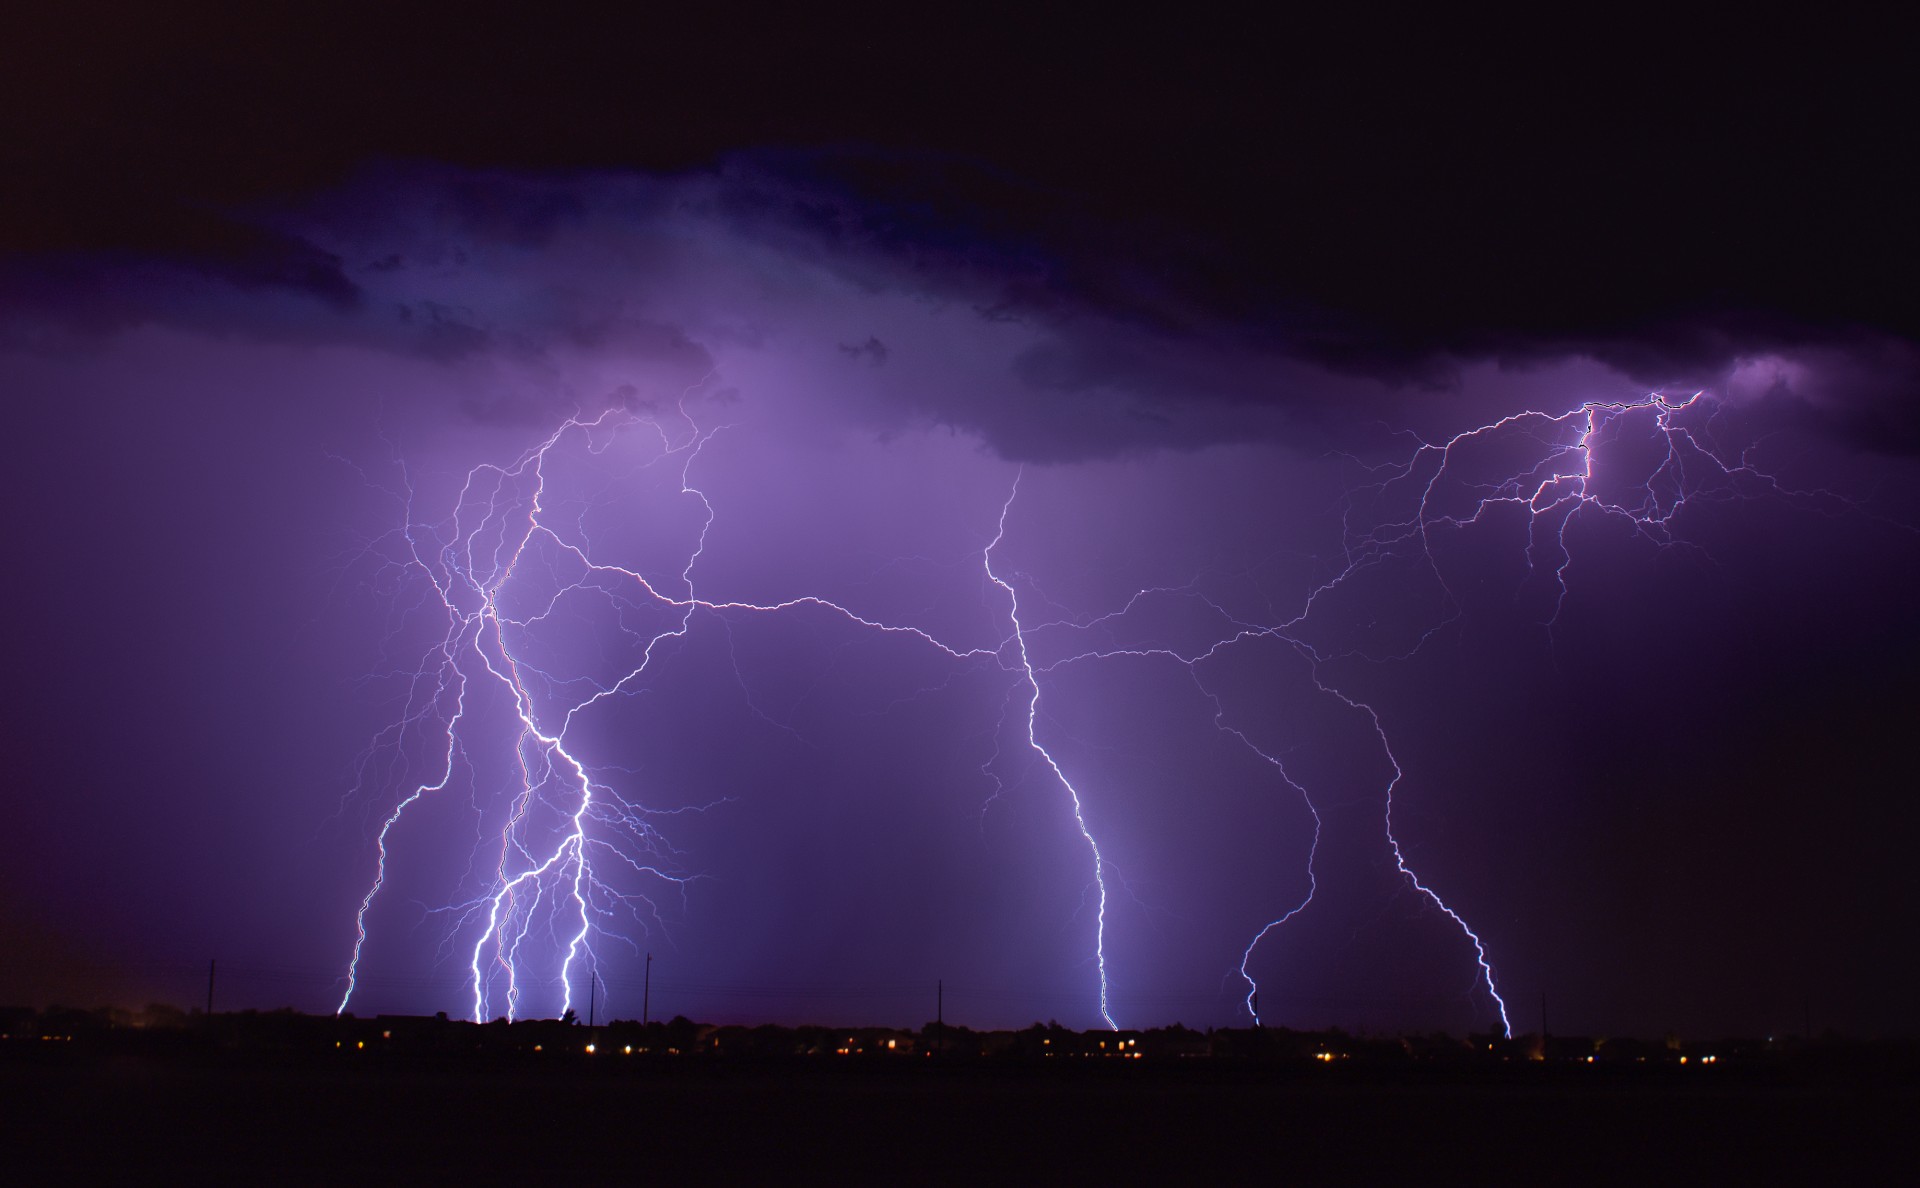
<point>770,416</point>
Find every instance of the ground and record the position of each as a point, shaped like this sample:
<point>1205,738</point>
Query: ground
<point>140,1120</point>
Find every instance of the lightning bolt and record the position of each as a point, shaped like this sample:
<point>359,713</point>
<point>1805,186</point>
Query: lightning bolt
<point>1557,479</point>
<point>1562,481</point>
<point>1558,476</point>
<point>564,823</point>
<point>560,816</point>
<point>1053,765</point>
<point>572,848</point>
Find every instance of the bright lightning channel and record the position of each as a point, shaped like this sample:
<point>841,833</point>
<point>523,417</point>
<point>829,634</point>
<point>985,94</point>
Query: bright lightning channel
<point>1556,483</point>
<point>475,569</point>
<point>1033,740</point>
<point>550,890</point>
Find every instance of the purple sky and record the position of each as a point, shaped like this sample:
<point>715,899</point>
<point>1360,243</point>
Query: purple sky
<point>1657,768</point>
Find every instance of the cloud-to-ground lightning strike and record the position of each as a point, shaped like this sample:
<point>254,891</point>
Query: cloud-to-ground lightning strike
<point>1555,481</point>
<point>475,564</point>
<point>575,855</point>
<point>1053,765</point>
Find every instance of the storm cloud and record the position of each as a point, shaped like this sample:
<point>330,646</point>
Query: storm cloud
<point>1112,382</point>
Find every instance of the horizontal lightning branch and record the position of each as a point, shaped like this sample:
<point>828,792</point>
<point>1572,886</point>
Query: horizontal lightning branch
<point>572,860</point>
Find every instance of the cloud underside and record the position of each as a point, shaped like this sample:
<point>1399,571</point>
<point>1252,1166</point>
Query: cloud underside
<point>570,294</point>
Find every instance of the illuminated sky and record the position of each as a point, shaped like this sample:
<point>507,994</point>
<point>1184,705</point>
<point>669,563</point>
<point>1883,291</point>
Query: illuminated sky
<point>274,295</point>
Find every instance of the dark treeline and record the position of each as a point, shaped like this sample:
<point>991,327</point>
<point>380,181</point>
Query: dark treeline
<point>160,1029</point>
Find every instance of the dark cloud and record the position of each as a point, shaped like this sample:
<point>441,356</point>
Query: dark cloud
<point>1212,281</point>
<point>873,350</point>
<point>1389,200</point>
<point>1088,338</point>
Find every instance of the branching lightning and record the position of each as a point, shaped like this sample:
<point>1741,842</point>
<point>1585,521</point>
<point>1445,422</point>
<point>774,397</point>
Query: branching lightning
<point>575,860</point>
<point>1556,479</point>
<point>1053,765</point>
<point>565,824</point>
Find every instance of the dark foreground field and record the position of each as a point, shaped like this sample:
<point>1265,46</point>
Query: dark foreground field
<point>139,1119</point>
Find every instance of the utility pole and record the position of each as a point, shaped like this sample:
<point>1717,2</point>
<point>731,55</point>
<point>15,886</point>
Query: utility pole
<point>646,993</point>
<point>940,1002</point>
<point>210,967</point>
<point>593,984</point>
